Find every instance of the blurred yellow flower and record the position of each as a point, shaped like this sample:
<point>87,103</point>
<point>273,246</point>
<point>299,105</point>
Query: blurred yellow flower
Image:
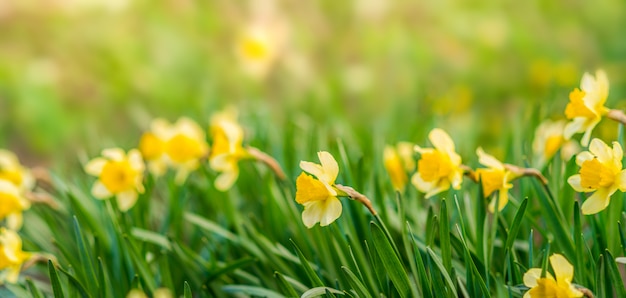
<point>12,171</point>
<point>11,256</point>
<point>549,139</point>
<point>318,196</point>
<point>226,149</point>
<point>600,172</point>
<point>586,106</point>
<point>119,175</point>
<point>152,146</point>
<point>398,161</point>
<point>438,168</point>
<point>180,146</point>
<point>12,204</point>
<point>494,178</point>
<point>158,293</point>
<point>548,286</point>
<point>259,46</point>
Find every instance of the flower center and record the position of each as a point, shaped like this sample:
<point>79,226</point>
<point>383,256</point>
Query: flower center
<point>547,287</point>
<point>553,144</point>
<point>594,174</point>
<point>9,204</point>
<point>434,165</point>
<point>576,106</point>
<point>118,176</point>
<point>310,189</point>
<point>491,179</point>
<point>182,148</point>
<point>150,146</point>
<point>254,49</point>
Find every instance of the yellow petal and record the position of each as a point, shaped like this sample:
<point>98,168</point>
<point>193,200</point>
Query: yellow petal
<point>100,191</point>
<point>583,156</point>
<point>618,154</point>
<point>563,270</point>
<point>94,167</point>
<point>225,181</point>
<point>115,154</point>
<point>312,168</point>
<point>330,167</point>
<point>441,140</point>
<point>621,180</point>
<point>310,189</point>
<point>332,211</point>
<point>531,276</point>
<point>602,151</point>
<point>14,221</point>
<point>573,127</point>
<point>597,202</point>
<point>574,182</point>
<point>442,186</point>
<point>420,184</point>
<point>488,160</point>
<point>325,212</point>
<point>126,200</point>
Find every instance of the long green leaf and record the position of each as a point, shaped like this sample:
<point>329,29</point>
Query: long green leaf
<point>442,270</point>
<point>54,281</point>
<point>313,277</point>
<point>391,261</point>
<point>614,275</point>
<point>356,284</point>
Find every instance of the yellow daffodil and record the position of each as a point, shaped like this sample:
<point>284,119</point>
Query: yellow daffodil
<point>158,293</point>
<point>152,146</point>
<point>548,286</point>
<point>398,161</point>
<point>259,46</point>
<point>12,204</point>
<point>11,256</point>
<point>184,147</point>
<point>226,150</point>
<point>438,168</point>
<point>586,106</point>
<point>600,172</point>
<point>11,170</point>
<point>319,196</point>
<point>494,178</point>
<point>549,139</point>
<point>119,175</point>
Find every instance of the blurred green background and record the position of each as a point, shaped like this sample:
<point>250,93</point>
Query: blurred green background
<point>80,75</point>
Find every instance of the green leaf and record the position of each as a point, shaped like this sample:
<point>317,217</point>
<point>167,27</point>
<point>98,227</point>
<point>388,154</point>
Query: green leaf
<point>444,236</point>
<point>319,291</point>
<point>187,291</point>
<point>74,282</point>
<point>421,269</point>
<point>515,226</point>
<point>54,281</point>
<point>442,269</point>
<point>355,283</point>
<point>84,255</point>
<point>32,288</point>
<point>151,237</point>
<point>229,268</point>
<point>614,275</point>
<point>251,291</point>
<point>390,260</point>
<point>315,280</point>
<point>285,286</point>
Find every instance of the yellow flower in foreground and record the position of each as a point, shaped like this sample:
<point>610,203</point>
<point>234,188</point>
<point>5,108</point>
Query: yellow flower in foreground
<point>548,286</point>
<point>586,106</point>
<point>226,150</point>
<point>318,196</point>
<point>398,161</point>
<point>119,175</point>
<point>11,256</point>
<point>549,139</point>
<point>438,168</point>
<point>158,293</point>
<point>12,171</point>
<point>600,172</point>
<point>12,204</point>
<point>494,178</point>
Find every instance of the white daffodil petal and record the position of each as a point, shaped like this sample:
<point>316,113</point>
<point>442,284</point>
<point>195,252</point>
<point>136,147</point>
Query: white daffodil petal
<point>488,160</point>
<point>313,212</point>
<point>115,154</point>
<point>441,140</point>
<point>225,181</point>
<point>602,151</point>
<point>332,211</point>
<point>95,166</point>
<point>597,201</point>
<point>531,276</point>
<point>100,191</point>
<point>583,156</point>
<point>126,200</point>
<point>574,182</point>
<point>573,127</point>
<point>329,165</point>
<point>312,168</point>
<point>420,184</point>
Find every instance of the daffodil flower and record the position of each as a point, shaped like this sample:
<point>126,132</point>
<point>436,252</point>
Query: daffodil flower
<point>438,168</point>
<point>259,47</point>
<point>548,286</point>
<point>496,177</point>
<point>318,196</point>
<point>226,149</point>
<point>152,146</point>
<point>549,139</point>
<point>119,175</point>
<point>586,106</point>
<point>158,293</point>
<point>11,256</point>
<point>11,170</point>
<point>398,161</point>
<point>601,173</point>
<point>12,204</point>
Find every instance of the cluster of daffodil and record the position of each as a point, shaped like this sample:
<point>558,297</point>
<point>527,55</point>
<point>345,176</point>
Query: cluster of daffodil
<point>15,183</point>
<point>181,146</point>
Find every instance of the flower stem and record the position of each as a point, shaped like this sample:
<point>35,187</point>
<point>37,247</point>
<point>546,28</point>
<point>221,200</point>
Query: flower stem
<point>268,161</point>
<point>357,196</point>
<point>527,172</point>
<point>467,171</point>
<point>617,115</point>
